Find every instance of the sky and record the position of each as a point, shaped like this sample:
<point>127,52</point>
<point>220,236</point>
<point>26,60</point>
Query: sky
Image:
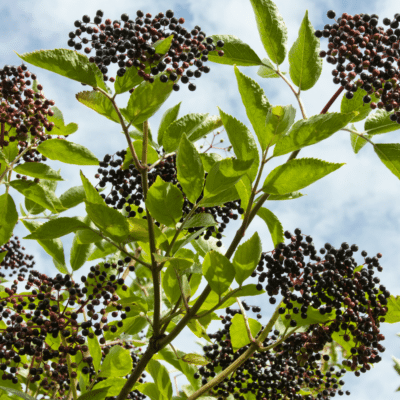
<point>357,204</point>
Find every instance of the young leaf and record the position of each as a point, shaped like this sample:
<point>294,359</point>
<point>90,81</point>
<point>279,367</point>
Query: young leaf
<point>380,122</point>
<point>224,174</point>
<point>272,29</point>
<point>146,100</point>
<point>267,69</point>
<point>357,104</point>
<point>305,64</point>
<point>312,130</point>
<point>59,128</point>
<point>166,120</point>
<point>39,193</point>
<point>389,154</point>
<point>238,331</point>
<point>235,52</point>
<point>152,155</point>
<point>187,124</point>
<point>243,142</point>
<point>256,104</point>
<point>218,271</point>
<point>118,362</point>
<point>67,152</point>
<point>161,377</point>
<point>279,120</point>
<point>73,196</point>
<point>246,258</point>
<point>53,247</point>
<point>190,169</point>
<point>393,314</point>
<point>163,45</point>
<point>8,217</point>
<point>38,170</point>
<point>99,103</point>
<point>165,201</point>
<point>297,174</point>
<point>195,359</point>
<point>68,63</point>
<point>199,220</point>
<point>358,142</point>
<point>274,226</point>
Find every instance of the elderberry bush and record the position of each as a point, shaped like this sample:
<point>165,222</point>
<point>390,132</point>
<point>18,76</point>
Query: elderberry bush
<point>360,47</point>
<point>132,43</point>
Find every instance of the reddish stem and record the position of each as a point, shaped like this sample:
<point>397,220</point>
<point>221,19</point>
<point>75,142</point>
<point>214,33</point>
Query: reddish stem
<point>332,100</point>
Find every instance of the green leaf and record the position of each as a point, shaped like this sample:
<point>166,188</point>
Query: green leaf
<point>224,174</point>
<point>39,193</point>
<point>389,154</point>
<point>272,29</point>
<point>79,252</point>
<point>187,124</point>
<point>146,100</point>
<point>230,194</point>
<point>150,389</point>
<point>218,271</point>
<point>113,384</point>
<point>111,222</point>
<point>190,169</point>
<point>235,52</point>
<point>246,258</point>
<point>73,196</point>
<point>357,104</point>
<point>165,201</point>
<point>267,69</point>
<point>67,152</point>
<point>91,194</point>
<point>287,196</point>
<point>132,326</point>
<point>38,170</point>
<point>243,188</point>
<point>238,331</point>
<point>95,394</point>
<point>274,226</point>
<point>18,393</point>
<point>200,220</point>
<point>171,285</point>
<point>305,64</point>
<point>95,352</point>
<point>278,121</point>
<point>198,329</point>
<point>380,122</point>
<point>209,159</point>
<point>59,128</point>
<point>297,174</point>
<point>396,364</point>
<point>118,362</point>
<point>195,359</point>
<point>8,217</point>
<point>56,228</point>
<point>162,46</point>
<point>243,142</point>
<point>129,80</point>
<point>53,247</point>
<point>166,120</point>
<point>256,104</point>
<point>2,255</point>
<point>99,103</point>
<point>32,207</point>
<point>393,314</point>
<point>161,377</point>
<point>307,132</point>
<point>208,125</point>
<point>107,249</point>
<point>357,141</point>
<point>68,63</point>
<point>152,155</point>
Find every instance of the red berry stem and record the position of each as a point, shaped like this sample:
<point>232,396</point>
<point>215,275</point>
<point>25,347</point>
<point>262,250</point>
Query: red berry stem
<point>332,100</point>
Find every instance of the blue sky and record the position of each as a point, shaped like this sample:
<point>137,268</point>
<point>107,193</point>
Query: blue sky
<point>357,204</point>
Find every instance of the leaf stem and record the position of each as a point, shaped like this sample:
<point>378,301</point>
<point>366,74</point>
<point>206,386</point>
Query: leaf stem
<point>72,394</point>
<point>332,100</point>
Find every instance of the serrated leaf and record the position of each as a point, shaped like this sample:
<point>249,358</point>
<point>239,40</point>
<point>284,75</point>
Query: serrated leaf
<point>68,63</point>
<point>117,363</point>
<point>67,152</point>
<point>207,126</point>
<point>8,217</point>
<point>73,196</point>
<point>146,100</point>
<point>238,331</point>
<point>166,120</point>
<point>307,132</point>
<point>38,170</point>
<point>91,194</point>
<point>272,29</point>
<point>357,104</point>
<point>256,105</point>
<point>200,220</point>
<point>165,201</point>
<point>305,64</point>
<point>162,46</point>
<point>389,154</point>
<point>246,258</point>
<point>274,226</point>
<point>267,69</point>
<point>379,122</point>
<point>190,171</point>
<point>297,174</point>
<point>358,142</point>
<point>218,271</point>
<point>195,359</point>
<point>59,128</point>
<point>99,103</point>
<point>18,393</point>
<point>235,52</point>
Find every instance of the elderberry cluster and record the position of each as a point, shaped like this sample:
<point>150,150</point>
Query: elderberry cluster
<point>15,261</point>
<point>358,46</point>
<point>22,116</point>
<point>133,43</point>
<point>127,193</point>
